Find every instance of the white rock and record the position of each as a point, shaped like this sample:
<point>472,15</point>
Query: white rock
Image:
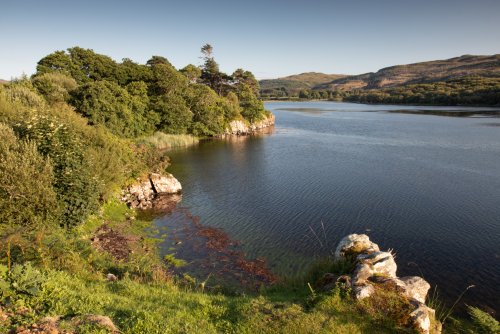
<point>420,319</point>
<point>415,288</point>
<point>381,263</point>
<point>241,127</point>
<point>165,184</point>
<point>355,244</point>
<point>363,291</point>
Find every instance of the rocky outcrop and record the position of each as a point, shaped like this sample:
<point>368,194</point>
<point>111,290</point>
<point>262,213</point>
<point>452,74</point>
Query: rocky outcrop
<point>242,127</point>
<point>377,268</point>
<point>355,244</point>
<point>142,194</point>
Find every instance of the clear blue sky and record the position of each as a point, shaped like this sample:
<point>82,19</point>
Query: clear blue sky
<point>271,38</point>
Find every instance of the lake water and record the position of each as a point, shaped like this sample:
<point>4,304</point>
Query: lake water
<point>420,180</point>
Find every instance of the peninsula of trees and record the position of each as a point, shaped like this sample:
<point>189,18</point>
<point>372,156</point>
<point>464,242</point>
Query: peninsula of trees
<point>133,99</point>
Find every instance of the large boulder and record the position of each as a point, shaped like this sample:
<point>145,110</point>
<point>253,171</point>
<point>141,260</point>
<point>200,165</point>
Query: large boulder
<point>143,193</point>
<point>355,244</point>
<point>421,318</point>
<point>415,288</point>
<point>380,263</point>
<point>165,184</point>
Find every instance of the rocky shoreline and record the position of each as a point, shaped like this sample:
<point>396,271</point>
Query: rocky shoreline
<point>376,269</point>
<point>242,128</point>
<point>158,191</point>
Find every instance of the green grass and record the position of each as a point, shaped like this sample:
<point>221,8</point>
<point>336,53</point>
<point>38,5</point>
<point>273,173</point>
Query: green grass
<point>164,141</point>
<point>166,308</point>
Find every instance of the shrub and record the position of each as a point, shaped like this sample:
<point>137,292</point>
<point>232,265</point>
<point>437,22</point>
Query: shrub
<point>54,87</point>
<point>27,198</point>
<point>22,91</point>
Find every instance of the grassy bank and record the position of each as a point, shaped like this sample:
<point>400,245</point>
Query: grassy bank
<point>164,141</point>
<point>68,284</point>
<point>146,298</point>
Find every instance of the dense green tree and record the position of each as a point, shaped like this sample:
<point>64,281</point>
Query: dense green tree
<point>241,76</point>
<point>251,107</point>
<point>157,60</point>
<point>193,73</point>
<point>232,108</point>
<point>174,115</point>
<point>58,61</point>
<point>106,103</point>
<point>129,71</point>
<point>210,73</point>
<point>167,80</point>
<point>84,65</point>
<point>92,66</point>
<point>208,110</point>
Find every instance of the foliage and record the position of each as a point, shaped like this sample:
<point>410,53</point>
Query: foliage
<point>171,260</point>
<point>22,91</point>
<point>86,161</point>
<point>25,279</point>
<point>174,114</point>
<point>207,109</point>
<point>133,100</point>
<point>54,87</point>
<point>483,322</point>
<point>123,113</point>
<point>27,198</point>
<point>251,107</point>
<point>193,73</point>
<point>84,65</point>
<point>467,91</point>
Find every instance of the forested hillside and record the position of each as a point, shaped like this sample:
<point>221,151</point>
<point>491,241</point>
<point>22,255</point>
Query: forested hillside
<point>468,80</point>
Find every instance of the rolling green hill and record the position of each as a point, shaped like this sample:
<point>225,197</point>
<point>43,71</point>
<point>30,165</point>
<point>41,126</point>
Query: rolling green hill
<point>418,73</point>
<point>293,84</point>
<point>466,79</point>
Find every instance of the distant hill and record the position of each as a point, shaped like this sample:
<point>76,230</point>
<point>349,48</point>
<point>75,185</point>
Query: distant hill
<point>418,73</point>
<point>295,83</point>
<point>3,81</point>
<point>394,76</point>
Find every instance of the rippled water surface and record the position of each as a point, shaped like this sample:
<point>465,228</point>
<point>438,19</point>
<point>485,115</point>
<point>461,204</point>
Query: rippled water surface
<point>424,181</point>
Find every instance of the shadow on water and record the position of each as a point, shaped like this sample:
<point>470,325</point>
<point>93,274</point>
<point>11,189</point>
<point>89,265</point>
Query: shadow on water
<point>434,112</point>
<point>449,113</point>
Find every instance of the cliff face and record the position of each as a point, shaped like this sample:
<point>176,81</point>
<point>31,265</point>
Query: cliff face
<point>241,128</point>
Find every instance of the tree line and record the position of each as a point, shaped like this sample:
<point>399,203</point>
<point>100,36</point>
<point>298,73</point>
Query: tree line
<point>470,90</point>
<point>133,99</point>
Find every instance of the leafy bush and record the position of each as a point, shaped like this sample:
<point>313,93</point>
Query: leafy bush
<point>22,91</point>
<point>75,183</point>
<point>27,198</point>
<point>106,103</point>
<point>54,87</point>
<point>25,279</point>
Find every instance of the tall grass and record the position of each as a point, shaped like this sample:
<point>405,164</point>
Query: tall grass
<point>164,141</point>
